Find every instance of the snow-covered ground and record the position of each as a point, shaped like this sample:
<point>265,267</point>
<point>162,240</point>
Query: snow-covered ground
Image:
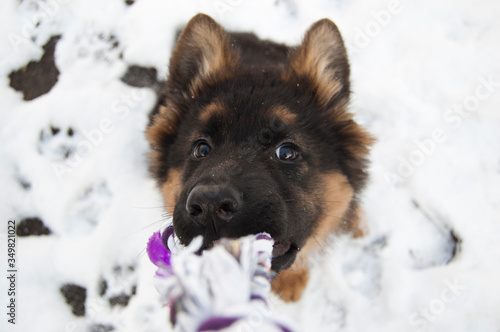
<point>426,82</point>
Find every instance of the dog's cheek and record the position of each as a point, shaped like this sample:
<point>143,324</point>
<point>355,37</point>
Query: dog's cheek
<point>335,203</point>
<point>171,188</point>
<point>305,212</point>
<point>334,198</point>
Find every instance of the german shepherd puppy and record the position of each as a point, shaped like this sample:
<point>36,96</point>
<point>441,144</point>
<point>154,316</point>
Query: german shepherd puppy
<point>253,136</point>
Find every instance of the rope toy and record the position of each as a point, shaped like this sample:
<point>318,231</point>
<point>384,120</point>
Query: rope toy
<point>224,288</point>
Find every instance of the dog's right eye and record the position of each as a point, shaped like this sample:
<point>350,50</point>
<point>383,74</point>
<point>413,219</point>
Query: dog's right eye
<point>287,152</point>
<point>201,149</point>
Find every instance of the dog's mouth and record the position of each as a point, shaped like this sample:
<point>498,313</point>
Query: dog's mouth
<point>280,248</point>
<point>284,252</point>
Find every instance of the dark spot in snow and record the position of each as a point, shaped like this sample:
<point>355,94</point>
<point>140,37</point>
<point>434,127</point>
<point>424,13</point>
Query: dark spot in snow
<point>103,287</point>
<point>129,2</point>
<point>24,183</point>
<point>456,242</point>
<point>37,78</point>
<point>378,243</point>
<point>75,296</point>
<point>117,269</point>
<point>140,77</point>
<point>121,300</point>
<point>70,132</point>
<point>54,130</point>
<point>43,136</point>
<point>102,328</point>
<point>134,290</point>
<point>32,226</point>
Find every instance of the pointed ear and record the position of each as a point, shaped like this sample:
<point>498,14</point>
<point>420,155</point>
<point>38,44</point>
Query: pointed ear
<point>203,54</point>
<point>322,59</point>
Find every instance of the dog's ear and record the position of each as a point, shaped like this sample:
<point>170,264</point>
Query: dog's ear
<point>202,55</point>
<point>322,59</point>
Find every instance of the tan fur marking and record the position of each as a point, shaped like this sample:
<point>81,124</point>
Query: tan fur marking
<point>171,189</point>
<point>321,49</point>
<point>211,110</point>
<point>284,114</point>
<point>355,225</point>
<point>290,283</point>
<point>213,44</point>
<point>165,123</point>
<point>337,198</point>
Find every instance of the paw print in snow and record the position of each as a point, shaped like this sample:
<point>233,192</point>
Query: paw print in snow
<point>57,144</point>
<point>118,285</point>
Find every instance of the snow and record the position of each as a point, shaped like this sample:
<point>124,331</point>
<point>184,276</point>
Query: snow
<point>425,82</point>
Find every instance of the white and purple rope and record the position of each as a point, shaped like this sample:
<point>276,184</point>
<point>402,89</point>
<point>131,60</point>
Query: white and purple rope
<point>222,289</point>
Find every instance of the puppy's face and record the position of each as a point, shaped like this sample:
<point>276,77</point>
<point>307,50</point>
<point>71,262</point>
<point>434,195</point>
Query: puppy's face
<point>240,148</point>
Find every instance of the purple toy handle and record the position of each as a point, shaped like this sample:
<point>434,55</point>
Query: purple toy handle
<point>158,254</point>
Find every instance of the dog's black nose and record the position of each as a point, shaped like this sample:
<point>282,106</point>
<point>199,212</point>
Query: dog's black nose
<point>207,204</point>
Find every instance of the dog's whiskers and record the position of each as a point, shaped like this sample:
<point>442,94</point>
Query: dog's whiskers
<point>148,207</point>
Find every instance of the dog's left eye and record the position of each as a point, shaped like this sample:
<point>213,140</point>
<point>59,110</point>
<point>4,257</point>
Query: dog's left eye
<point>201,149</point>
<point>287,152</point>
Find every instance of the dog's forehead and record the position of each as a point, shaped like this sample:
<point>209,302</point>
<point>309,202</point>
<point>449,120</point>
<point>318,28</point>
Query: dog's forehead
<point>238,123</point>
